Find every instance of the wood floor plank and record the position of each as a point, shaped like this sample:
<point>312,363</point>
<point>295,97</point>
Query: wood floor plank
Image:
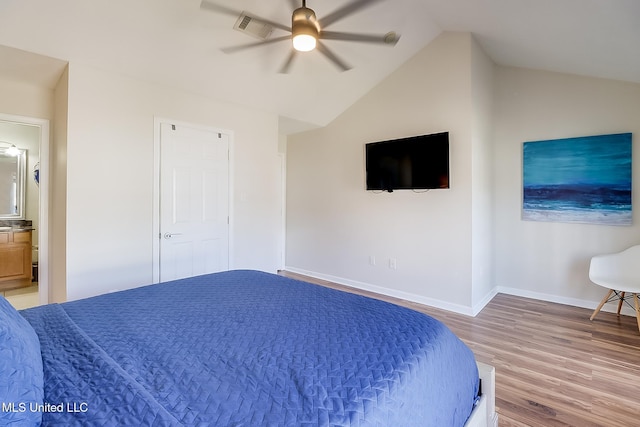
<point>554,367</point>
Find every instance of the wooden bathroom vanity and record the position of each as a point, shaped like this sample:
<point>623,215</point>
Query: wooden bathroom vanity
<point>15,258</point>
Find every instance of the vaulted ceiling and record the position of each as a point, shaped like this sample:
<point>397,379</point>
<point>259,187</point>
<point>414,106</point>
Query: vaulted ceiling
<point>178,43</point>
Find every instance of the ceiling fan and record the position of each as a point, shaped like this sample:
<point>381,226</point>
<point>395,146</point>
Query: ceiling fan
<point>306,31</point>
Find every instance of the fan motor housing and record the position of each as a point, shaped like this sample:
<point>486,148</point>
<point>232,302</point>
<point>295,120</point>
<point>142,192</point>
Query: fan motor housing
<point>304,21</point>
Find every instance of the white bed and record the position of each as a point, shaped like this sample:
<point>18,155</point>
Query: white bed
<point>484,414</point>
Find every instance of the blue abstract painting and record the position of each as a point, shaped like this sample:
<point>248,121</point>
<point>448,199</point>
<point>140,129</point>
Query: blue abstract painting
<point>586,180</point>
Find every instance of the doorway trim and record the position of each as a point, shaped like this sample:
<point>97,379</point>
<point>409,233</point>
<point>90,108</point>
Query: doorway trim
<point>157,122</point>
<point>43,232</point>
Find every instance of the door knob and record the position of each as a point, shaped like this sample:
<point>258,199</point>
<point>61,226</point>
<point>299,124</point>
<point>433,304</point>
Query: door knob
<point>170,235</point>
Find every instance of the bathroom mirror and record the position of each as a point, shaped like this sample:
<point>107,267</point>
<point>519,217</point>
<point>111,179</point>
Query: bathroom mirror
<point>12,184</point>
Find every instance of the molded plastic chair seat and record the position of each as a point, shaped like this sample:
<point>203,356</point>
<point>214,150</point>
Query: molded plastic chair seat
<point>620,273</point>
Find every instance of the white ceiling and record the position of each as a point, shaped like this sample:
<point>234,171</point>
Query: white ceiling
<point>174,42</point>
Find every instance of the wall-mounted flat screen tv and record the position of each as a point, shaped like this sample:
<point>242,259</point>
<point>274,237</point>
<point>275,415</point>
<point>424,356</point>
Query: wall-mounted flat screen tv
<point>414,163</point>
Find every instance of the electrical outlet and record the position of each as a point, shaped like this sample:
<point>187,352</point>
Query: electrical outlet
<point>372,260</point>
<point>393,264</point>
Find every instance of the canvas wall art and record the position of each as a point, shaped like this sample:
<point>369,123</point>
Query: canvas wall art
<point>585,180</point>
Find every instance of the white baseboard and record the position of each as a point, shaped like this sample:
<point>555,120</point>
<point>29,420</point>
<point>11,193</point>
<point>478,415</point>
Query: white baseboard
<point>576,302</point>
<point>477,308</point>
<point>461,309</point>
<point>408,296</point>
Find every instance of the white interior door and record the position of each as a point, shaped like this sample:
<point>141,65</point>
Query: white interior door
<point>194,202</point>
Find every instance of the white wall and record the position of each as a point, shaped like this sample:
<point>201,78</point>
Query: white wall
<point>23,99</point>
<point>455,248</point>
<point>110,178</point>
<point>482,87</point>
<point>544,259</point>
<point>334,226</point>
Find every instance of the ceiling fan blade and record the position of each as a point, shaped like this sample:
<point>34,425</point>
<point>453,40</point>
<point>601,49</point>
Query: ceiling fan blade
<point>287,63</point>
<point>219,8</point>
<point>205,4</point>
<point>332,57</point>
<point>233,49</point>
<point>390,38</point>
<point>345,11</point>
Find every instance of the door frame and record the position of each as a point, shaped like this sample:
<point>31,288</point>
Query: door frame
<point>156,235</point>
<point>43,186</point>
<point>283,210</point>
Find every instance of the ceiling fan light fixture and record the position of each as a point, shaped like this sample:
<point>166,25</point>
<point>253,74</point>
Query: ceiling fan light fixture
<point>304,42</point>
<point>304,29</point>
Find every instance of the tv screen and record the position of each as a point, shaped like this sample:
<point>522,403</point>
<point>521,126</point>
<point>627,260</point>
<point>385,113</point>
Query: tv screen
<point>414,163</point>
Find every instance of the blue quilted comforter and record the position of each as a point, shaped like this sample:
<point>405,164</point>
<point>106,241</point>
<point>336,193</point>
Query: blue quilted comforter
<point>246,348</point>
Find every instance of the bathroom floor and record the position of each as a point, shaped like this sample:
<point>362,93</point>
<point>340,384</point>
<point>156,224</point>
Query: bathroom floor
<point>22,298</point>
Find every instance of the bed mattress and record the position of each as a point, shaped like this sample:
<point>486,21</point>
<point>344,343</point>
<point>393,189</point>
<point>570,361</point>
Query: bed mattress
<point>247,348</point>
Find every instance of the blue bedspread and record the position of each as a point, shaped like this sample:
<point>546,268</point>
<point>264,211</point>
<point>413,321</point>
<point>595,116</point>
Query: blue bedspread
<point>246,348</point>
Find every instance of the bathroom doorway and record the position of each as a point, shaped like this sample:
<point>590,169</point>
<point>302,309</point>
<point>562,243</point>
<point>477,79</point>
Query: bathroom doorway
<point>30,196</point>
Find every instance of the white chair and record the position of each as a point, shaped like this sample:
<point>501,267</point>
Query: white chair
<point>620,273</point>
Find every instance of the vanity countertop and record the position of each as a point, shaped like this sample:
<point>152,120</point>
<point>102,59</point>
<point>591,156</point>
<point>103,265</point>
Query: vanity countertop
<point>15,229</point>
<point>15,225</point>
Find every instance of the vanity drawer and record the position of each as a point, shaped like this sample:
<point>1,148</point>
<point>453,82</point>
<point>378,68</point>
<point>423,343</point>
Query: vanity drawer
<point>4,238</point>
<point>21,237</point>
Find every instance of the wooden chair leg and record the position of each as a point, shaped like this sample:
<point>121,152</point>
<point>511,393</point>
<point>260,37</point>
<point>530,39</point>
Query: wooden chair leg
<point>620,303</point>
<point>635,300</point>
<point>604,300</point>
